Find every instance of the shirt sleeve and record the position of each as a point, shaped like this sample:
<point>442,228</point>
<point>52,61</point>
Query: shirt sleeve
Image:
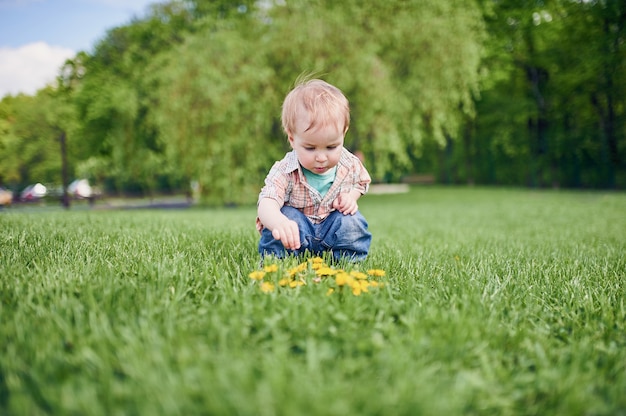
<point>276,184</point>
<point>361,177</point>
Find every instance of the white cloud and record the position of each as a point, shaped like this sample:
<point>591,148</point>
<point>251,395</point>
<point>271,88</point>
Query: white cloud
<point>28,68</point>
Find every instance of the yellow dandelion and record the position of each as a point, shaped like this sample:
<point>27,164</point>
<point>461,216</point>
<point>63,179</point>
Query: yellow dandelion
<point>376,272</point>
<point>341,278</point>
<point>257,275</point>
<point>315,270</point>
<point>267,287</point>
<point>325,271</point>
<point>271,268</point>
<point>298,269</point>
<point>358,275</point>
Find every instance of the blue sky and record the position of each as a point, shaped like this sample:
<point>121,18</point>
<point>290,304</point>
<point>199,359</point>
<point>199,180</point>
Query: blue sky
<point>36,36</point>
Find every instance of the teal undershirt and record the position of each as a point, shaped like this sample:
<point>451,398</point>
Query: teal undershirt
<point>321,183</point>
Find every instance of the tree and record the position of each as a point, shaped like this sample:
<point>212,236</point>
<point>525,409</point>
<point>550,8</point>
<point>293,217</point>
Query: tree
<point>406,86</point>
<point>485,91</point>
<point>214,109</point>
<point>604,82</point>
<point>115,98</point>
<point>556,77</point>
<point>34,128</point>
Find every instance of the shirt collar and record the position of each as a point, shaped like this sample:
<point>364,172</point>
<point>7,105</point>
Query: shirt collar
<point>291,161</point>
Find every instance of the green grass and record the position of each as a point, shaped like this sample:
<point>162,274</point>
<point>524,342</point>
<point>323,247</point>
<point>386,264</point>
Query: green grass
<point>496,301</point>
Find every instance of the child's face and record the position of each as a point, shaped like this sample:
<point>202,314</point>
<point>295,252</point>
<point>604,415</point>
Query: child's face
<point>318,150</point>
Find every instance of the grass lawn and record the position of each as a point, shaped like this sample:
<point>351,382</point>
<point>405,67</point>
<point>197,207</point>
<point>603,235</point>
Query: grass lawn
<point>495,301</point>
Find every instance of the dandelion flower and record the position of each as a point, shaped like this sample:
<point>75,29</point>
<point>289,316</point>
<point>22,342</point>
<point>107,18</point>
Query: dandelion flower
<point>325,271</point>
<point>358,275</point>
<point>267,287</point>
<point>341,278</point>
<point>257,275</point>
<point>271,268</point>
<point>298,269</point>
<point>315,270</point>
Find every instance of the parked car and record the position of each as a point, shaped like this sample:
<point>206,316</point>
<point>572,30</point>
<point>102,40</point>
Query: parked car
<point>80,189</point>
<point>6,197</point>
<point>33,192</point>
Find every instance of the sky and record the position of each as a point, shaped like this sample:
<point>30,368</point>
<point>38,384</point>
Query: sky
<point>37,36</point>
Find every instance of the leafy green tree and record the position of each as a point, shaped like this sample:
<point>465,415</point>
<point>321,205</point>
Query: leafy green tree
<point>545,111</point>
<point>485,91</point>
<point>115,100</point>
<point>214,114</point>
<point>11,171</point>
<point>32,127</point>
<point>593,80</point>
<point>325,45</point>
<point>406,86</point>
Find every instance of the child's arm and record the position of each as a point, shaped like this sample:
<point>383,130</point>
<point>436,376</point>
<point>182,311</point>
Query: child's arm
<point>346,202</point>
<point>282,228</point>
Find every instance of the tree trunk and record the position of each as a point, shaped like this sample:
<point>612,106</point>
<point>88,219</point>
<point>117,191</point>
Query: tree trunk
<point>65,199</point>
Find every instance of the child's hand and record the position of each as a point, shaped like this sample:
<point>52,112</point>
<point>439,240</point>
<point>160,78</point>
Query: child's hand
<point>346,204</point>
<point>288,233</point>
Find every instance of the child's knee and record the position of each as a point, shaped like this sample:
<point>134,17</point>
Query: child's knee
<point>354,223</point>
<point>350,230</point>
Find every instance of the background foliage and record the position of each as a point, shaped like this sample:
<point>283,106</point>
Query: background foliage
<point>529,93</point>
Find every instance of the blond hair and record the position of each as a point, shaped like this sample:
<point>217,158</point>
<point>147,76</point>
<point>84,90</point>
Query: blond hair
<point>323,103</point>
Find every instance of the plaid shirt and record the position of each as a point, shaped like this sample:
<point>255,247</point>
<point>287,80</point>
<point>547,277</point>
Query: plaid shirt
<point>286,184</point>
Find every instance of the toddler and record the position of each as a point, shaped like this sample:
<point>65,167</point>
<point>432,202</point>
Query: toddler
<point>309,200</point>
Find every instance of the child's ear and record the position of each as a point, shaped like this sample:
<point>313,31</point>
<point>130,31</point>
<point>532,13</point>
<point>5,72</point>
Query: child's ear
<point>290,138</point>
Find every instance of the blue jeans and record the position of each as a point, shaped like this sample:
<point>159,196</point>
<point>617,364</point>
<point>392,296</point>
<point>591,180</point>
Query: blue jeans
<point>345,236</point>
